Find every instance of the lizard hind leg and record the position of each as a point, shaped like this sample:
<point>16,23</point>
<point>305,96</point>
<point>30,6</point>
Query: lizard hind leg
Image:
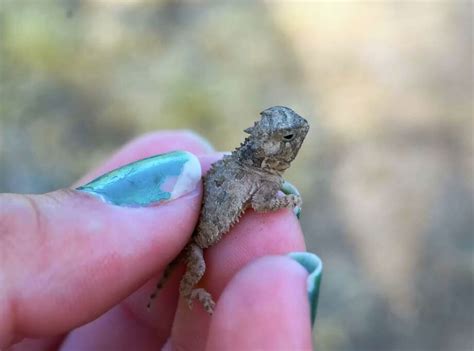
<point>195,268</point>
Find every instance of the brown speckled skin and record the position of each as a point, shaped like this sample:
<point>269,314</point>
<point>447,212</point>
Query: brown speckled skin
<point>250,176</point>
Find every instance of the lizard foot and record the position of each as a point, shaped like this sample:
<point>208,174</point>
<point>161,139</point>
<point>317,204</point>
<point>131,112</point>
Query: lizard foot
<point>204,298</point>
<point>294,200</point>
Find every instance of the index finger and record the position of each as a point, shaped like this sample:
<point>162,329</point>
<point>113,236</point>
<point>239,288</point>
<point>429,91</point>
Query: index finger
<point>256,235</point>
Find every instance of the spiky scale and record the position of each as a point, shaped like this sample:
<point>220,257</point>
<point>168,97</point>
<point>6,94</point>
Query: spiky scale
<point>250,176</point>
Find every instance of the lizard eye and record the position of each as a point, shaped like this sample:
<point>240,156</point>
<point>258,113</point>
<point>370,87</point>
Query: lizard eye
<point>289,137</point>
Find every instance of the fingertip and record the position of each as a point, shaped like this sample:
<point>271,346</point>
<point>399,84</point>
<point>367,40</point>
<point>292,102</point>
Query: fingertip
<point>148,181</point>
<point>197,141</point>
<point>151,144</point>
<point>267,302</point>
<point>169,140</point>
<point>256,235</point>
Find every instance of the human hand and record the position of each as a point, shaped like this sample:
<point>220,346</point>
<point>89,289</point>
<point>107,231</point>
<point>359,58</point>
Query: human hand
<point>75,271</point>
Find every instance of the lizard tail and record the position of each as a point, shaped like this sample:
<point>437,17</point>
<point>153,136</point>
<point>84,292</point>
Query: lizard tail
<point>164,278</point>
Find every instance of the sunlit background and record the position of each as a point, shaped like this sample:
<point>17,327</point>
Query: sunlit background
<point>386,171</point>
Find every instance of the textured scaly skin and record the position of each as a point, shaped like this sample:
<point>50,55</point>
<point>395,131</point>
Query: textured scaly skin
<point>251,176</point>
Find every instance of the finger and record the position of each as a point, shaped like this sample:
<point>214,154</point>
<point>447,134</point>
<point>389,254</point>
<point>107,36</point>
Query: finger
<point>117,330</point>
<point>256,235</point>
<point>140,147</point>
<point>148,145</point>
<point>145,146</point>
<point>48,343</point>
<point>266,302</point>
<point>131,321</point>
<point>60,248</point>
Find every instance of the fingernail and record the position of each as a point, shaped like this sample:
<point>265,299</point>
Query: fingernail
<point>288,189</point>
<point>314,266</point>
<point>149,181</point>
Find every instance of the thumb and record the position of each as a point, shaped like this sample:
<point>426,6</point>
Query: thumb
<point>68,256</point>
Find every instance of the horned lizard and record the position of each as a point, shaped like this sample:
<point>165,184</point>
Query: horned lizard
<point>251,176</point>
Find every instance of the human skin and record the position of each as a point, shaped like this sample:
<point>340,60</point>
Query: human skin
<point>76,272</point>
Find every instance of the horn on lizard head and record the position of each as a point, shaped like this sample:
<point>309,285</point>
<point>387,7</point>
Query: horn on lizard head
<point>250,130</point>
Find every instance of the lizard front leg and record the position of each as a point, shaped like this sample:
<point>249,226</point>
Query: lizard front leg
<point>195,268</point>
<point>267,198</point>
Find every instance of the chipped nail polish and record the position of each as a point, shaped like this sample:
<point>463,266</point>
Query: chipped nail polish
<point>148,181</point>
<point>314,266</point>
<point>288,188</point>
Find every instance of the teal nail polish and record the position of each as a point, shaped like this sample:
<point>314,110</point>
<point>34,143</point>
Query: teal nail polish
<point>314,266</point>
<point>148,181</point>
<point>288,189</point>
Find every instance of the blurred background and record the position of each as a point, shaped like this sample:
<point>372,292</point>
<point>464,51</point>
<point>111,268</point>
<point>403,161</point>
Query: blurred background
<point>386,171</point>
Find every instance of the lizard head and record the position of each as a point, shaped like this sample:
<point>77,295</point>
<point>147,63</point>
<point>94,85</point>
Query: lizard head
<point>277,137</point>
